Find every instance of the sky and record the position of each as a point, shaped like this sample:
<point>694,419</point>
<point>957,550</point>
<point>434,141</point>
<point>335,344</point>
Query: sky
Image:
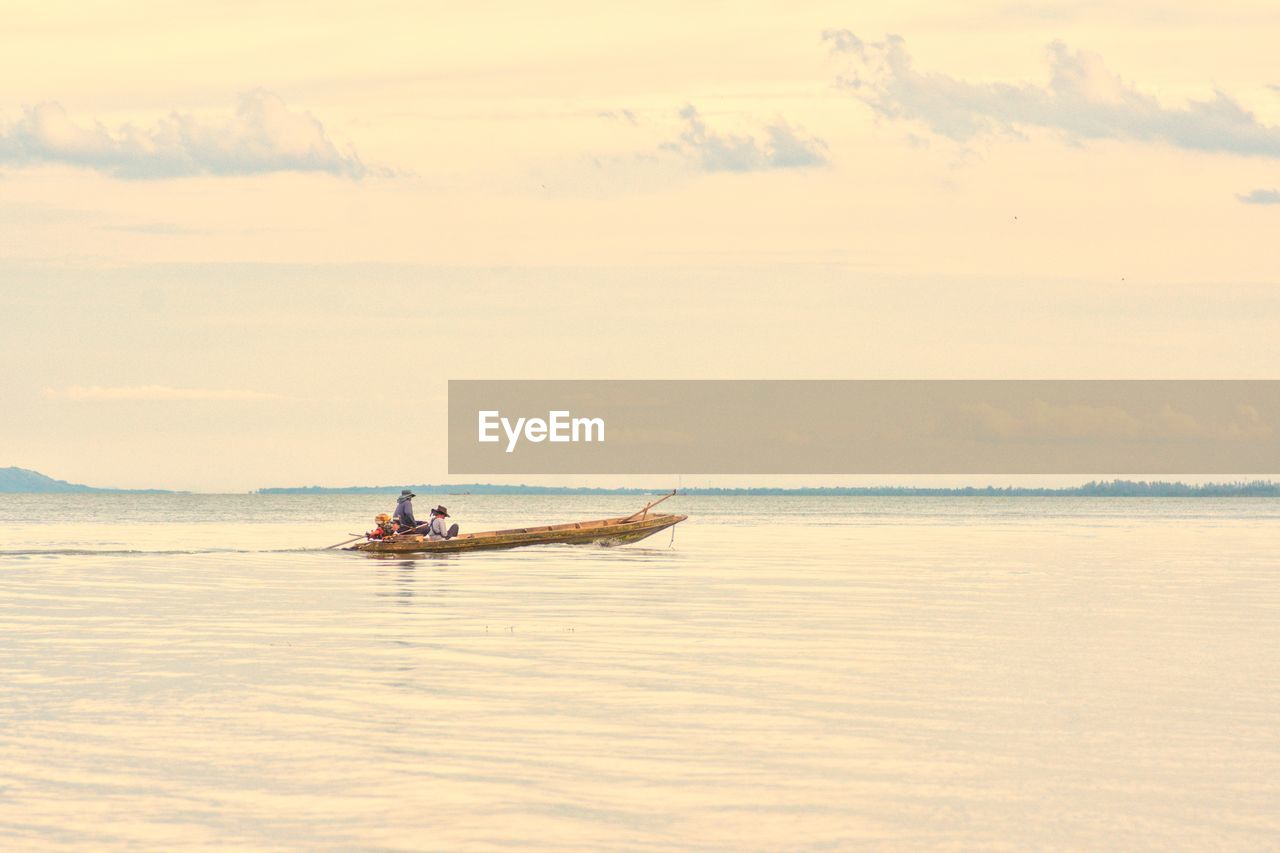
<point>247,244</point>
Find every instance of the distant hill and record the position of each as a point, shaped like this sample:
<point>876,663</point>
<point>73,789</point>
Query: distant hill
<point>22,480</point>
<point>1112,488</point>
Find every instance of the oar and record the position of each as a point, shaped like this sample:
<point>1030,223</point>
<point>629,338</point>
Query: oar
<point>340,544</point>
<point>648,506</point>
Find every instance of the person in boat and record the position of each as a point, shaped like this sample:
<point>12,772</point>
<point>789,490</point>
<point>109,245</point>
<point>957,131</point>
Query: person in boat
<point>403,515</point>
<point>383,527</point>
<point>436,529</point>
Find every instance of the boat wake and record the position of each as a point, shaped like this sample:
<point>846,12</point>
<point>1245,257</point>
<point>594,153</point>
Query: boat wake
<point>128,552</point>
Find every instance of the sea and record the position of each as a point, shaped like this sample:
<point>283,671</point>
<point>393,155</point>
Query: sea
<point>779,673</point>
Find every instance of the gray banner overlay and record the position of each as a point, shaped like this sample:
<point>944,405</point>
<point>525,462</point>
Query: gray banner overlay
<point>863,427</point>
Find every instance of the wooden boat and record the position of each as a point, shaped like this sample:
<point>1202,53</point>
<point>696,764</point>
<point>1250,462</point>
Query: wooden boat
<point>606,531</point>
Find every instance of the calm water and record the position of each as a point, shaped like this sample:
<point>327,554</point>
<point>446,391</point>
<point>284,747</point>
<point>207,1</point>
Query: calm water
<point>897,673</point>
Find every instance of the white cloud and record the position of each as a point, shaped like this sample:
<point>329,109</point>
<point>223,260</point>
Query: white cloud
<point>1083,99</point>
<point>709,151</point>
<point>264,135</point>
<point>98,393</point>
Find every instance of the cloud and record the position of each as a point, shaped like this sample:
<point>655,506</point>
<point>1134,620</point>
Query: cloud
<point>98,393</point>
<point>1261,197</point>
<point>619,115</point>
<point>1083,100</point>
<point>164,228</point>
<point>264,135</point>
<point>708,151</point>
<point>844,41</point>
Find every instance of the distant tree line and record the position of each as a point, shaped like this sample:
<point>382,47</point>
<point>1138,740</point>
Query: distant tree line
<point>1104,489</point>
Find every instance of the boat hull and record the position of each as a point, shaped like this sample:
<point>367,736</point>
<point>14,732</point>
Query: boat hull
<point>604,531</point>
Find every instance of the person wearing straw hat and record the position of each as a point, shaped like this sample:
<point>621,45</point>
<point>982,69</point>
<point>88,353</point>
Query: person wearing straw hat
<point>436,529</point>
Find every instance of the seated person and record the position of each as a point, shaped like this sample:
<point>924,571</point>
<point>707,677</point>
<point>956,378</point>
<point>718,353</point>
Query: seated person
<point>403,515</point>
<point>385,527</point>
<point>436,529</point>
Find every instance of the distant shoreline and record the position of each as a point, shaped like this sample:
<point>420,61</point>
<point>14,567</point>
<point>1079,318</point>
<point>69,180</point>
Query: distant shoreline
<point>25,481</point>
<point>1110,488</point>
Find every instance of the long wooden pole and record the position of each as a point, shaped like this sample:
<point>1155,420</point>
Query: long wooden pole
<point>365,536</point>
<point>649,506</point>
<point>410,531</point>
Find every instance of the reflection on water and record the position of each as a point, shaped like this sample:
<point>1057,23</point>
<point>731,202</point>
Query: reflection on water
<point>792,673</point>
<point>402,579</point>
